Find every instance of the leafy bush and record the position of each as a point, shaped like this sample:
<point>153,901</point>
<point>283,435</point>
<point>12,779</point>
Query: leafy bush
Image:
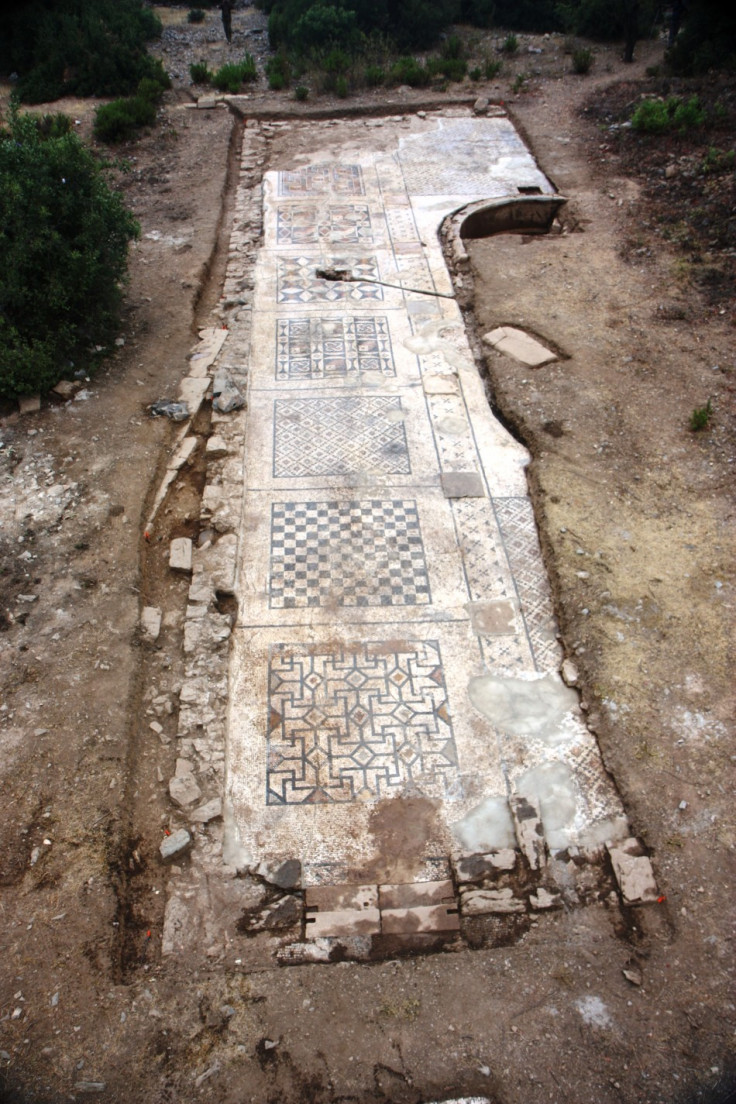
<point>492,68</point>
<point>196,15</point>
<point>229,78</point>
<point>301,93</point>
<point>200,72</point>
<point>476,73</point>
<point>341,88</point>
<point>76,47</point>
<point>278,72</point>
<point>63,238</point>
<point>700,417</point>
<point>582,60</point>
<point>718,161</point>
<point>375,76</point>
<point>407,70</point>
<point>119,120</point>
<point>510,44</point>
<point>454,68</point>
<point>660,116</point>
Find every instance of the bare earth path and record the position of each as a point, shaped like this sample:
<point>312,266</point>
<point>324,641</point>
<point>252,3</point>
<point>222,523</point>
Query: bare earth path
<point>636,521</point>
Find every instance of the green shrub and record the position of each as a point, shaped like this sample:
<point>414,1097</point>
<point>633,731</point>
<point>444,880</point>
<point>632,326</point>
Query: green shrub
<point>718,161</point>
<point>196,15</point>
<point>200,72</point>
<point>407,70</point>
<point>278,72</point>
<point>63,238</point>
<point>660,116</point>
<point>700,417</point>
<point>476,73</point>
<point>453,48</point>
<point>454,68</point>
<point>301,93</point>
<point>510,44</point>
<point>341,88</point>
<point>53,126</point>
<point>119,120</point>
<point>519,84</point>
<point>77,47</point>
<point>375,76</point>
<point>582,60</point>
<point>229,78</point>
<point>492,68</point>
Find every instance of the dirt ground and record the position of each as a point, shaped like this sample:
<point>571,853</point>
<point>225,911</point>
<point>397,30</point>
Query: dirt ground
<point>635,513</point>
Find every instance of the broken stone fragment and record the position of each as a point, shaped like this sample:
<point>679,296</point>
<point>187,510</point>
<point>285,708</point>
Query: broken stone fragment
<point>519,345</point>
<point>528,827</point>
<point>66,389</point>
<point>285,875</point>
<point>543,899</point>
<point>279,915</point>
<point>211,810</point>
<point>226,395</point>
<point>175,845</point>
<point>633,872</point>
<point>479,902</point>
<point>180,554</point>
<point>183,790</point>
<point>480,107</point>
<point>151,622</point>
<point>569,673</point>
<point>216,448</point>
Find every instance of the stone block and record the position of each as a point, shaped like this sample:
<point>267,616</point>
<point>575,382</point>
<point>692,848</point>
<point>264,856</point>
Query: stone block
<point>481,902</point>
<point>180,554</point>
<point>633,872</point>
<point>29,404</point>
<point>176,845</point>
<point>192,391</point>
<point>216,448</point>
<point>416,894</point>
<point>66,389</point>
<point>543,899</point>
<point>423,918</point>
<point>528,827</point>
<point>151,622</point>
<point>285,875</point>
<point>481,868</point>
<point>365,921</point>
<point>341,897</point>
<point>183,454</point>
<point>519,345</point>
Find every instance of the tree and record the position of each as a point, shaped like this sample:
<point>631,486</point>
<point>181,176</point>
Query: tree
<point>64,237</point>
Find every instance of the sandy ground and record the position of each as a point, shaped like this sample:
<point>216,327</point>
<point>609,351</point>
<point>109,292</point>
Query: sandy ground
<point>636,518</point>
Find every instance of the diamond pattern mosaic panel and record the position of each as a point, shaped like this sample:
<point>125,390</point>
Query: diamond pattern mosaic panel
<point>339,435</point>
<point>520,538</point>
<point>329,348</point>
<point>315,180</point>
<point>347,554</point>
<point>297,282</point>
<point>304,225</point>
<point>358,724</point>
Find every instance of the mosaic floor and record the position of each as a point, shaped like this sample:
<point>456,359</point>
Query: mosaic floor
<point>389,550</point>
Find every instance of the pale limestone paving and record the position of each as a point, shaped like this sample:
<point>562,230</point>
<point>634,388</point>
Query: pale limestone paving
<point>348,703</point>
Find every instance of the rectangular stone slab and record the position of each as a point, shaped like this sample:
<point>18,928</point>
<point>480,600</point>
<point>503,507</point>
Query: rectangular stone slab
<point>415,894</point>
<point>341,898</point>
<point>427,918</point>
<point>345,922</point>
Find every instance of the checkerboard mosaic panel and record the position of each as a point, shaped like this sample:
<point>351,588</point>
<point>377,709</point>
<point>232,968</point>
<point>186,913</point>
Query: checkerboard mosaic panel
<point>346,180</point>
<point>329,348</point>
<point>348,224</point>
<point>336,435</point>
<point>297,282</point>
<point>358,723</point>
<point>361,553</point>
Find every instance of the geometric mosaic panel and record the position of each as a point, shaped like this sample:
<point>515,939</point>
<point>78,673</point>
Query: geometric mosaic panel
<point>357,723</point>
<point>367,553</point>
<point>296,281</point>
<point>322,179</point>
<point>521,541</point>
<point>326,348</point>
<point>337,435</point>
<point>300,224</point>
<point>460,160</point>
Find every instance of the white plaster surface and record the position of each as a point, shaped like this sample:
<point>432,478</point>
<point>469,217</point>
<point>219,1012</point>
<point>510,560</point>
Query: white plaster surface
<point>374,728</point>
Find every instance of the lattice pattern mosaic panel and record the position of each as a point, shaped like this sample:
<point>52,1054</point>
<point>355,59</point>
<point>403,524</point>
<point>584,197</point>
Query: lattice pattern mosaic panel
<point>359,724</point>
<point>520,538</point>
<point>296,281</point>
<point>455,445</point>
<point>367,553</point>
<point>464,158</point>
<point>339,435</point>
<point>322,179</point>
<point>348,224</point>
<point>327,348</point>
